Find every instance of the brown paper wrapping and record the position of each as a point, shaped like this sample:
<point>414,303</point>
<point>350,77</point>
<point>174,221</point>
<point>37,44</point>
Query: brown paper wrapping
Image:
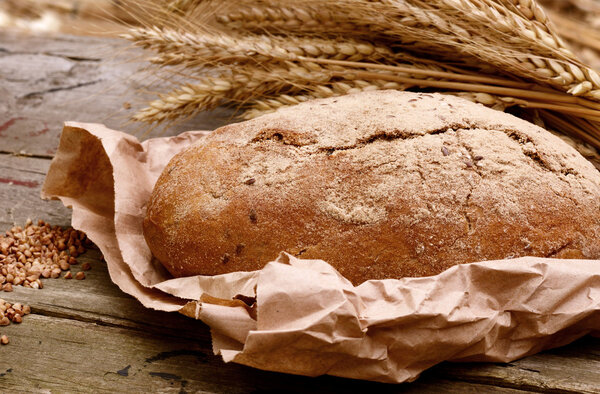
<point>309,319</point>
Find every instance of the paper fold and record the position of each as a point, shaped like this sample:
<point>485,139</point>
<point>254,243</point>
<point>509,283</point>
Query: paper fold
<point>310,320</point>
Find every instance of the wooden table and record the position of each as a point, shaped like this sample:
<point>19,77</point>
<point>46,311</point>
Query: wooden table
<point>88,335</point>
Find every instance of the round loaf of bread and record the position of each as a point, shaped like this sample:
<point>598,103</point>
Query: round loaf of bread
<point>380,184</point>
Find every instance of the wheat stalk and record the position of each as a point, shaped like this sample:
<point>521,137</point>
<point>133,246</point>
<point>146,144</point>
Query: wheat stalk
<point>489,100</point>
<point>265,106</point>
<point>198,50</point>
<point>547,60</point>
<point>276,17</point>
<point>253,80</point>
<point>447,25</point>
<point>500,53</point>
<point>528,9</point>
<point>230,49</point>
<point>181,6</point>
<point>185,101</point>
<point>289,77</point>
<point>211,92</point>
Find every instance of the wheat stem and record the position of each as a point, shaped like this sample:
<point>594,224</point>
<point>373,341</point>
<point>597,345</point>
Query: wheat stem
<point>427,72</point>
<point>498,90</point>
<point>497,52</point>
<point>568,126</point>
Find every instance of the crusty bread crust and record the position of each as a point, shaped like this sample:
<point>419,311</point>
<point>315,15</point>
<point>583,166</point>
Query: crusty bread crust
<point>381,185</point>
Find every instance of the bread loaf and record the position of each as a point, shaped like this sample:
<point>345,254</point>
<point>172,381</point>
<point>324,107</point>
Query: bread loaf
<point>381,184</point>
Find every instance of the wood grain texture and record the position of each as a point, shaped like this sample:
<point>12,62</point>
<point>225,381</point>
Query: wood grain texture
<point>65,355</point>
<point>49,80</point>
<point>21,180</point>
<point>573,368</point>
<point>88,336</point>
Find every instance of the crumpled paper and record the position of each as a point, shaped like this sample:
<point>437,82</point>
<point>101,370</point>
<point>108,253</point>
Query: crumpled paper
<point>307,319</point>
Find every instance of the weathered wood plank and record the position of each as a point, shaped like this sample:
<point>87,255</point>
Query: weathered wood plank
<point>71,356</point>
<point>49,80</point>
<point>21,180</point>
<point>573,368</point>
<point>97,300</point>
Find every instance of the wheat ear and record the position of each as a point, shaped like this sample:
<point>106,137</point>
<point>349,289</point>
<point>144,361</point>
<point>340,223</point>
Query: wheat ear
<point>443,26</point>
<point>286,17</point>
<point>197,50</point>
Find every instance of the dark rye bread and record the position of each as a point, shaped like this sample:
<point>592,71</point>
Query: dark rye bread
<point>381,185</point>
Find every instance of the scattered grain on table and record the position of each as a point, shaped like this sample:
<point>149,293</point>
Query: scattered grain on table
<point>37,251</point>
<point>11,313</point>
<point>31,253</point>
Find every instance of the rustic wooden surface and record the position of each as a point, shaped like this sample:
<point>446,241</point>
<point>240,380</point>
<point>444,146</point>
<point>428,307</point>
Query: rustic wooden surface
<point>88,336</point>
<point>46,81</point>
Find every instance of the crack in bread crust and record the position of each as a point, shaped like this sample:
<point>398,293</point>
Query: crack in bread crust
<point>528,146</point>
